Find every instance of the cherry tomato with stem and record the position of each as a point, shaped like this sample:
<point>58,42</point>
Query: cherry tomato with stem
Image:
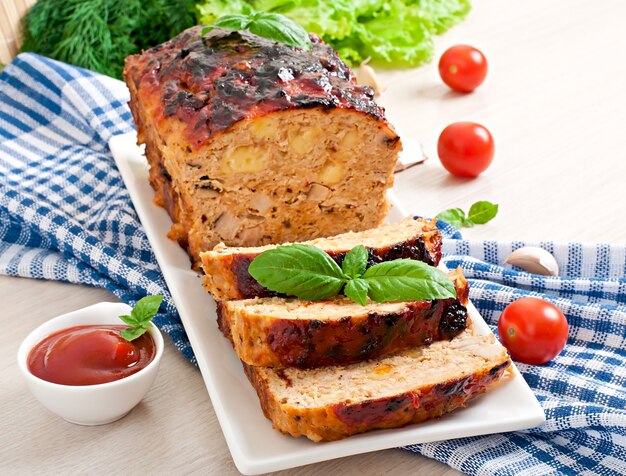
<point>463,68</point>
<point>465,149</point>
<point>534,331</point>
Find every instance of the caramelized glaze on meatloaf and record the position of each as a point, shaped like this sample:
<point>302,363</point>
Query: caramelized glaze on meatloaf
<point>286,332</point>
<point>412,386</point>
<point>252,142</point>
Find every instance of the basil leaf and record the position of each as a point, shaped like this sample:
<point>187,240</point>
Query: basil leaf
<point>479,213</point>
<point>140,316</point>
<point>467,223</point>
<point>132,333</point>
<point>129,320</point>
<point>407,280</point>
<point>355,262</point>
<point>280,28</point>
<point>146,308</point>
<point>229,22</point>
<point>482,212</point>
<point>356,289</point>
<point>272,26</point>
<point>453,216</point>
<point>298,270</point>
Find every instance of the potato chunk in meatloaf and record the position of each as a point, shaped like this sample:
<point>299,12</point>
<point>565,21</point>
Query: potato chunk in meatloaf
<point>252,142</point>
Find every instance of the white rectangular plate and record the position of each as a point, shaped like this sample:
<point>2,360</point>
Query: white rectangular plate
<point>254,445</point>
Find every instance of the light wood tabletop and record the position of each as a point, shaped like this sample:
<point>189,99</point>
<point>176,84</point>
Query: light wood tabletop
<point>555,102</point>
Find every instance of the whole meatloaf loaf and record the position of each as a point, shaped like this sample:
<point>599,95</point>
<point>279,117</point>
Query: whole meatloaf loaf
<point>412,386</point>
<point>287,332</point>
<point>252,142</point>
<point>226,268</point>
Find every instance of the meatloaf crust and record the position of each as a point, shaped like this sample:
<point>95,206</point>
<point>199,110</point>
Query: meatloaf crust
<point>278,332</point>
<point>253,142</point>
<point>332,403</point>
<point>210,82</point>
<point>226,269</point>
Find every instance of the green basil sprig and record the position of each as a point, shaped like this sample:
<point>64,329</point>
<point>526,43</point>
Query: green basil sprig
<point>479,214</point>
<point>140,317</point>
<point>272,26</point>
<point>309,273</point>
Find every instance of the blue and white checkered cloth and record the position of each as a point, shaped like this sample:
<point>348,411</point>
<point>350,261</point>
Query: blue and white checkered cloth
<point>65,215</point>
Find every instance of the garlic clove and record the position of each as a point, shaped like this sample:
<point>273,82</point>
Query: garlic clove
<point>534,260</point>
<point>366,76</point>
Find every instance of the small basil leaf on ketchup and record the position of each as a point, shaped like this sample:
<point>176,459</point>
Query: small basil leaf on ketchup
<point>140,317</point>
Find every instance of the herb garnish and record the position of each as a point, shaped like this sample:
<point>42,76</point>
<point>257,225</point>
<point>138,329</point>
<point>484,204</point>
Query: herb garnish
<point>309,273</point>
<point>394,33</point>
<point>272,26</point>
<point>140,316</point>
<point>97,34</point>
<point>479,214</point>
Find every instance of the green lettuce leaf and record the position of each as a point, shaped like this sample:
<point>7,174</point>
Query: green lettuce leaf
<point>399,35</point>
<point>211,10</point>
<point>328,19</point>
<point>396,33</point>
<point>445,13</point>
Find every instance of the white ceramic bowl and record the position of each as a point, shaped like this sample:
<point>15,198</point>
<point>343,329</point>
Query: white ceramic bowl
<point>90,404</point>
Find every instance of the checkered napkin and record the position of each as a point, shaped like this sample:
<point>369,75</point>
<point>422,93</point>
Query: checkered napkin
<point>65,215</point>
<point>583,390</point>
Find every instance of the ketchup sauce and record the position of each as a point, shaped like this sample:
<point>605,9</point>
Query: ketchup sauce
<point>89,355</point>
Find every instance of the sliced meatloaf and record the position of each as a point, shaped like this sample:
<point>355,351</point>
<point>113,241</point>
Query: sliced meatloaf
<point>252,142</point>
<point>226,268</point>
<point>283,332</point>
<point>426,382</point>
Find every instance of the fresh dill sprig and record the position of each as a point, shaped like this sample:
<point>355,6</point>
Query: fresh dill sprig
<point>99,34</point>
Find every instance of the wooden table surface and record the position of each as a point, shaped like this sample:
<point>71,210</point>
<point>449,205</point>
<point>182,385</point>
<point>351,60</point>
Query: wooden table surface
<point>555,102</point>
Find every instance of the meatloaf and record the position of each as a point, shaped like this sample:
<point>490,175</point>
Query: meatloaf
<point>252,142</point>
<point>285,332</point>
<point>415,385</point>
<point>226,268</point>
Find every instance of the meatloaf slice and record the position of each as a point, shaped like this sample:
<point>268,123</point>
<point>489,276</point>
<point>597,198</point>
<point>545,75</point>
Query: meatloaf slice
<point>280,332</point>
<point>252,142</point>
<point>226,268</point>
<point>415,385</point>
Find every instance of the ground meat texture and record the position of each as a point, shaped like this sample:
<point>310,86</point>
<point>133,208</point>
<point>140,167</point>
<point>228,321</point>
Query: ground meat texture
<point>252,142</point>
<point>286,332</point>
<point>407,387</point>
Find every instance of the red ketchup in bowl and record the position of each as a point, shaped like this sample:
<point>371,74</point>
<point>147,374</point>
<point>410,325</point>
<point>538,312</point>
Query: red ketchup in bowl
<point>89,355</point>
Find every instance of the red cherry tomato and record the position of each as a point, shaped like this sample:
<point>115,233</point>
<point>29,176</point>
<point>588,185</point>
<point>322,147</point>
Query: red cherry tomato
<point>534,331</point>
<point>463,68</point>
<point>465,149</point>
